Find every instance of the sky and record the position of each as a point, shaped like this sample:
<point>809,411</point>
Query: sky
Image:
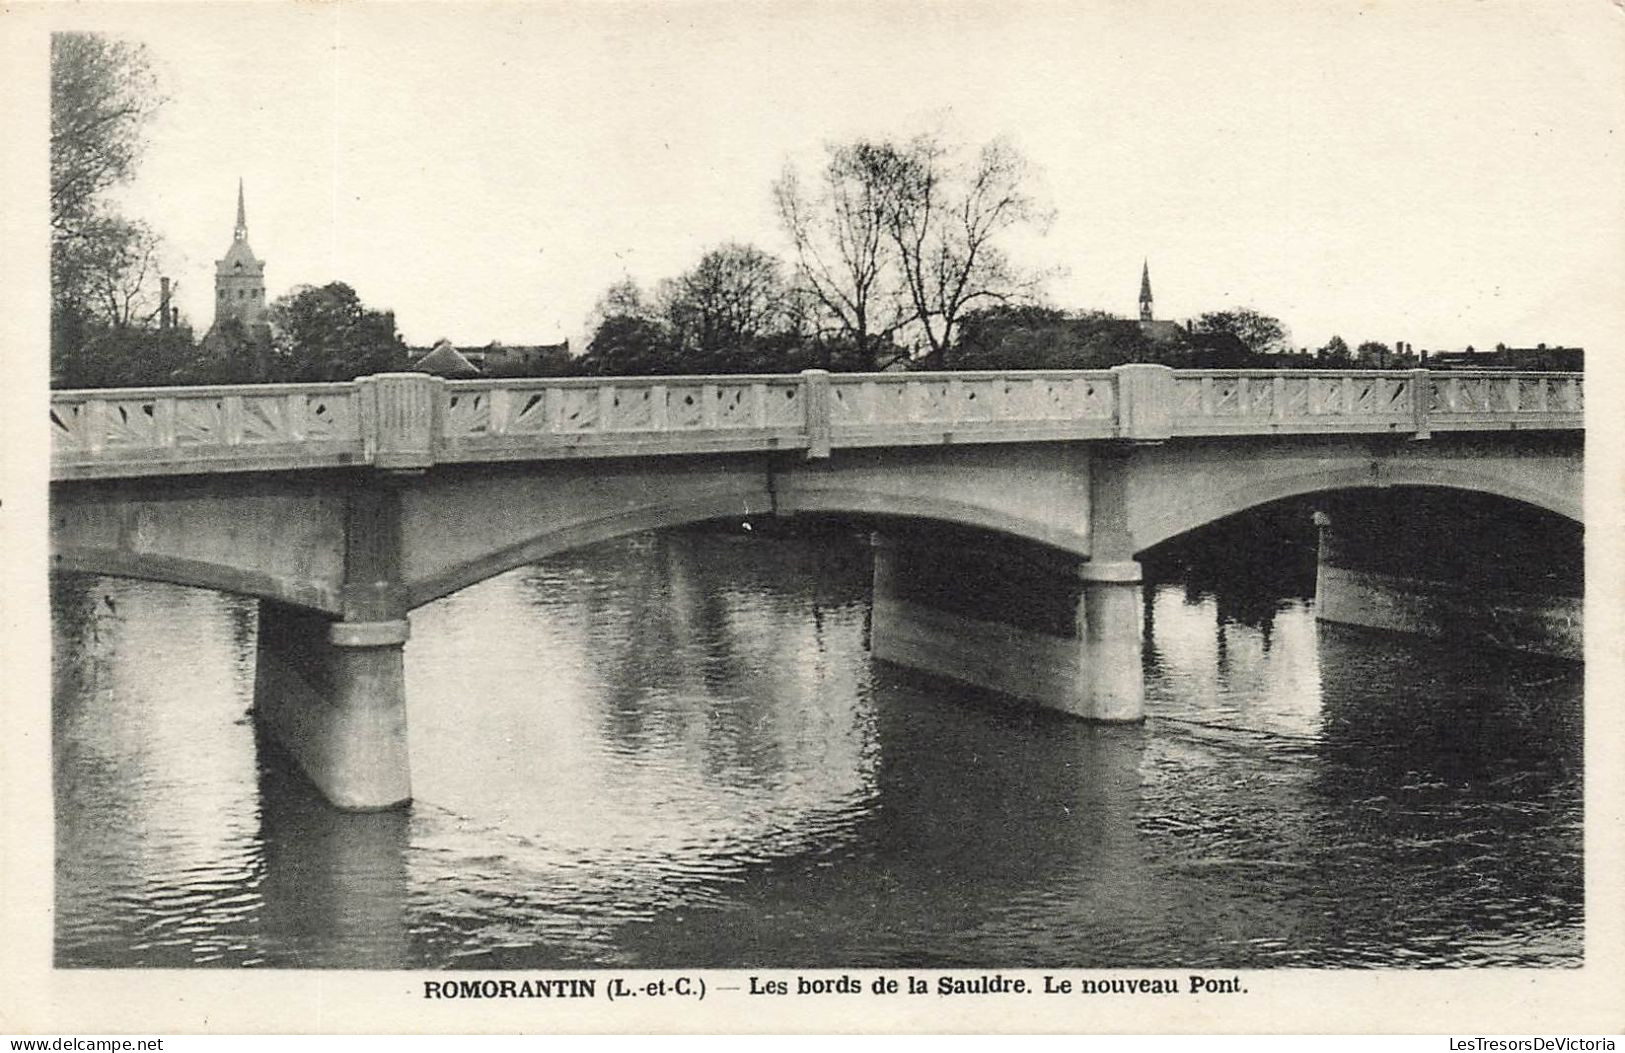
<point>1440,173</point>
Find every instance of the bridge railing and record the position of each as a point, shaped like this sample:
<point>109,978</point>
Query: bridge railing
<point>1248,402</point>
<point>622,416</point>
<point>908,409</point>
<point>135,431</point>
<point>413,420</point>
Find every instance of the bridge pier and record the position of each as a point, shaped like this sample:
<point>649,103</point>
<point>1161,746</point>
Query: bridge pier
<point>332,692</point>
<point>333,696</point>
<point>1112,641</point>
<point>1041,627</point>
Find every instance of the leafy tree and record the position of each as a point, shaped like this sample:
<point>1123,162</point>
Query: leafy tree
<point>94,355</point>
<point>103,93</point>
<point>1216,349</point>
<point>623,299</point>
<point>103,265</point>
<point>1008,337</point>
<point>624,345</point>
<point>232,353</point>
<point>733,297</point>
<point>1033,337</point>
<point>1104,340</point>
<point>1373,353</point>
<point>119,261</point>
<point>326,333</point>
<point>628,338</point>
<point>1259,333</point>
<point>102,279</point>
<point>733,312</point>
<point>1336,353</point>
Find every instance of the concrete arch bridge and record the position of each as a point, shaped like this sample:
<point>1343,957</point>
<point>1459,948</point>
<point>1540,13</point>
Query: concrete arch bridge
<point>344,506</point>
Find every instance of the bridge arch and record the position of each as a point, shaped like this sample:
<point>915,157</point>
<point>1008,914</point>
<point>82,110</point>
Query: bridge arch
<point>279,539</point>
<point>551,541</point>
<point>198,574</point>
<point>1173,503</point>
<point>525,513</point>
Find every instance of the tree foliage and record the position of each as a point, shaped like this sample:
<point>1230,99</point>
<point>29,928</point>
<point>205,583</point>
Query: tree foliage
<point>1259,333</point>
<point>1336,353</point>
<point>103,265</point>
<point>93,355</point>
<point>112,272</point>
<point>322,333</point>
<point>623,299</point>
<point>1033,337</point>
<point>1373,353</point>
<point>626,345</point>
<point>103,92</point>
<point>733,312</point>
<point>733,297</point>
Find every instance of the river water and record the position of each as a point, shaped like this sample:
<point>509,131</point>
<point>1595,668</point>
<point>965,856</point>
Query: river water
<point>674,749</point>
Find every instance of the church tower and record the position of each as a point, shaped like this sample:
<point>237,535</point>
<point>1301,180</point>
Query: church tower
<point>239,278</point>
<point>1145,292</point>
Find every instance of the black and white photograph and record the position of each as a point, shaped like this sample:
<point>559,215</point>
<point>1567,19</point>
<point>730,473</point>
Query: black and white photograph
<point>1074,514</point>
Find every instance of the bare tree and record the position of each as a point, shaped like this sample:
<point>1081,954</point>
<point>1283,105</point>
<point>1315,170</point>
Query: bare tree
<point>846,260</point>
<point>947,220</point>
<point>121,280</point>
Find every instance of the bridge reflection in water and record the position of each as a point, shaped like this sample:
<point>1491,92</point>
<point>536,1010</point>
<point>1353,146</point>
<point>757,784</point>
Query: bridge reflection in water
<point>674,749</point>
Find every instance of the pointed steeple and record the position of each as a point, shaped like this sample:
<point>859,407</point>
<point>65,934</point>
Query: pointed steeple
<point>239,277</point>
<point>1145,292</point>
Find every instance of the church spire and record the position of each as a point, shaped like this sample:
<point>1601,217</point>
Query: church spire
<point>1145,292</point>
<point>239,277</point>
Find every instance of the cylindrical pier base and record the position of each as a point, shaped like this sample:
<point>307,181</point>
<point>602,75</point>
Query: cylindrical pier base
<point>1111,639</point>
<point>333,696</point>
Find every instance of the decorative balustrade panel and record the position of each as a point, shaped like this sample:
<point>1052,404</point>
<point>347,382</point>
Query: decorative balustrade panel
<point>414,420</point>
<point>1476,399</point>
<point>169,431</point>
<point>1216,402</point>
<point>487,419</point>
<point>886,409</point>
<point>468,413</point>
<point>1211,402</point>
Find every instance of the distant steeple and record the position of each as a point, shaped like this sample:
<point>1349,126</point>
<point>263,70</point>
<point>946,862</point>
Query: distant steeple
<point>1145,292</point>
<point>239,277</point>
